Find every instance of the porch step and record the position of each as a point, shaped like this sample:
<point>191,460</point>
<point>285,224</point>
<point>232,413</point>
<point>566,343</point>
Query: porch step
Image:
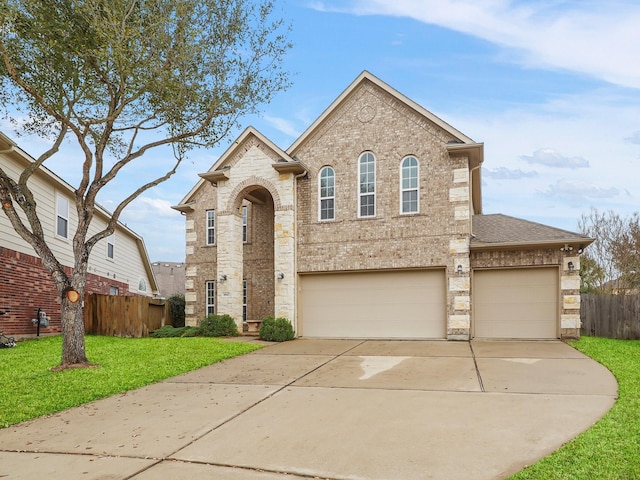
<point>252,326</point>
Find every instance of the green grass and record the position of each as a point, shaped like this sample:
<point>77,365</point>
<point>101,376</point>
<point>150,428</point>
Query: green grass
<point>611,448</point>
<point>29,388</point>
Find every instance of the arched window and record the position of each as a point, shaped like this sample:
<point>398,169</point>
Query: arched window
<point>409,185</point>
<point>142,285</point>
<point>367,185</point>
<point>327,194</point>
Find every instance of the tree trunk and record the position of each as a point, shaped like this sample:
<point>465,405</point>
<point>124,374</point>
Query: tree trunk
<point>73,352</point>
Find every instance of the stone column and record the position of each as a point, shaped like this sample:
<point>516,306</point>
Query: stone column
<point>229,241</point>
<point>284,264</point>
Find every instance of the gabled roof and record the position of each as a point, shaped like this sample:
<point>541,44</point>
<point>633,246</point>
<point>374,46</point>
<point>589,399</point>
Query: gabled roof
<point>367,76</point>
<point>219,169</point>
<point>500,231</point>
<point>9,147</point>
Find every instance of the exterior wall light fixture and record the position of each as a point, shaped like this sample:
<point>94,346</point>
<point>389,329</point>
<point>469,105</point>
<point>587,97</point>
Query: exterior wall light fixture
<point>223,278</point>
<point>280,275</point>
<point>571,267</point>
<point>459,269</point>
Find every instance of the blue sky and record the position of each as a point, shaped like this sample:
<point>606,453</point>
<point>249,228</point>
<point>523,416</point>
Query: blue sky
<point>552,88</point>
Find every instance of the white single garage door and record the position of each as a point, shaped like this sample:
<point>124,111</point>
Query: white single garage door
<point>516,303</point>
<point>402,304</point>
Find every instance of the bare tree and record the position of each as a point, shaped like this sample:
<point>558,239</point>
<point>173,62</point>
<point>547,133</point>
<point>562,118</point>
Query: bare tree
<point>612,263</point>
<point>120,78</point>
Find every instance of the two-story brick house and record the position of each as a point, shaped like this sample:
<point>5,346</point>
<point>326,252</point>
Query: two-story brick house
<point>370,226</point>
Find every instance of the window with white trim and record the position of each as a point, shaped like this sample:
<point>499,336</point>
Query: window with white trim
<point>327,194</point>
<point>245,214</point>
<point>62,216</point>
<point>142,285</point>
<point>211,227</point>
<point>113,290</point>
<point>210,287</point>
<point>409,185</point>
<point>367,185</point>
<point>111,246</point>
<point>244,300</point>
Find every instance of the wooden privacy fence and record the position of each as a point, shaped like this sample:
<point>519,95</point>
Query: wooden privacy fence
<point>610,316</point>
<point>119,316</point>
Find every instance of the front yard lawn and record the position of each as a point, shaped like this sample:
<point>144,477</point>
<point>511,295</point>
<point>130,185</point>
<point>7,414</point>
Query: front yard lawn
<point>29,389</point>
<point>610,449</point>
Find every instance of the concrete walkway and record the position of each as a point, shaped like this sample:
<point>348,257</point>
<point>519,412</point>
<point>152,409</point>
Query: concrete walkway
<point>335,409</point>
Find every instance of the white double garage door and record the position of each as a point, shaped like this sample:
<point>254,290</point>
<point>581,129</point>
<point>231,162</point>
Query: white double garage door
<point>507,303</point>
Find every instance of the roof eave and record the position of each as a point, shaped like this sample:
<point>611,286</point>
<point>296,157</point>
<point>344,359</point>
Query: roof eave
<point>296,167</point>
<point>183,207</point>
<point>573,242</point>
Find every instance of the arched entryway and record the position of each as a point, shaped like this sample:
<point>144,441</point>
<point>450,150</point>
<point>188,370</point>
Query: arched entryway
<point>255,254</point>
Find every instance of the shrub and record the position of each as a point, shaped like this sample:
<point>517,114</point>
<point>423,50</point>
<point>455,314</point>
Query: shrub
<point>166,332</point>
<point>191,332</point>
<point>176,309</point>
<point>218,326</point>
<point>276,329</point>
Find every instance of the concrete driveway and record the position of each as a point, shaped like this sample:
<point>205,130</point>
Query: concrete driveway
<point>336,409</point>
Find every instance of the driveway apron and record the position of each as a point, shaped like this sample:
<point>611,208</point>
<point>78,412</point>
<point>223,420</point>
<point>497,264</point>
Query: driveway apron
<point>334,409</point>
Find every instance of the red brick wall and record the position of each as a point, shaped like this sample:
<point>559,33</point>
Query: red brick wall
<point>25,286</point>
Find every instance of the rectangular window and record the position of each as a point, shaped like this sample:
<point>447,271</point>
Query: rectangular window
<point>62,216</point>
<point>244,300</point>
<point>211,227</point>
<point>113,290</point>
<point>211,297</point>
<point>245,214</point>
<point>111,246</point>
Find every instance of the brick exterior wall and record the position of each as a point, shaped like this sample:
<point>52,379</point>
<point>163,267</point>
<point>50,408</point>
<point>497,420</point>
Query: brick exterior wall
<point>27,286</point>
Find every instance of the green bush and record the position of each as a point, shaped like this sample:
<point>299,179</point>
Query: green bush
<point>168,331</point>
<point>191,332</point>
<point>276,329</point>
<point>218,326</point>
<point>176,309</point>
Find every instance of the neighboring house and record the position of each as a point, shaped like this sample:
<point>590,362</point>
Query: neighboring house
<point>370,226</point>
<point>170,277</point>
<point>118,265</point>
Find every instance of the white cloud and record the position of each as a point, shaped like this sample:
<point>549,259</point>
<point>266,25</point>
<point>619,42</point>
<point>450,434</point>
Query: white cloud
<point>577,191</point>
<point>634,138</point>
<point>551,158</point>
<point>282,125</point>
<point>503,173</point>
<point>599,39</point>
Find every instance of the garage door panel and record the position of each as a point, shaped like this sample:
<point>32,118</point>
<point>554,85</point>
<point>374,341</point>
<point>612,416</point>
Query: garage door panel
<point>516,303</point>
<point>374,305</point>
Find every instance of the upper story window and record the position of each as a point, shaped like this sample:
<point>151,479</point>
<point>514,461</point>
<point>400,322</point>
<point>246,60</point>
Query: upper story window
<point>142,285</point>
<point>245,214</point>
<point>210,293</point>
<point>409,185</point>
<point>113,290</point>
<point>367,185</point>
<point>327,193</point>
<point>211,227</point>
<point>62,216</point>
<point>111,246</point>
